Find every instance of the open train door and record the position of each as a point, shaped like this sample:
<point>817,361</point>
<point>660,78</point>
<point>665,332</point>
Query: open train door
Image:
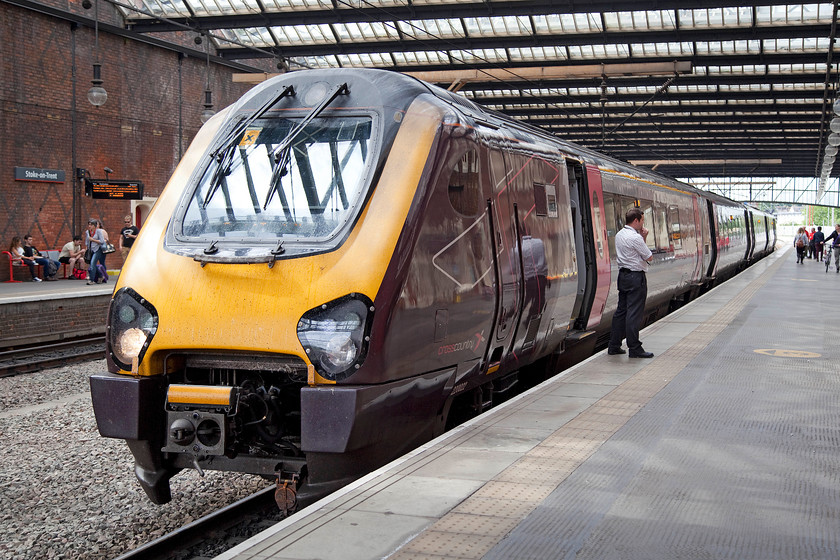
<point>594,197</point>
<point>591,247</point>
<point>712,240</point>
<point>748,217</point>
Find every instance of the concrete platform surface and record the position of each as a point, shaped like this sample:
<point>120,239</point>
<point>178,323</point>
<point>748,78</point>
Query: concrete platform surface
<point>725,445</point>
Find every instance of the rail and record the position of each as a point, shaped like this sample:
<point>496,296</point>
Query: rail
<point>34,358</point>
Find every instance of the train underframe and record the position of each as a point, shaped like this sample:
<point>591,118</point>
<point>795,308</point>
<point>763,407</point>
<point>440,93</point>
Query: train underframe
<point>315,438</point>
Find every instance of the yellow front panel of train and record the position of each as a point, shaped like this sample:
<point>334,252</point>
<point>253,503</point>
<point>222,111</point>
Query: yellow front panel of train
<point>252,307</point>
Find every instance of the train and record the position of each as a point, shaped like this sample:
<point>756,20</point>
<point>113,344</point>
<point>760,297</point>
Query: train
<point>346,260</point>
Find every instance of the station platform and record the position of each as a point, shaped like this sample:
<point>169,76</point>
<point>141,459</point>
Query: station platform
<point>725,445</point>
<point>40,312</point>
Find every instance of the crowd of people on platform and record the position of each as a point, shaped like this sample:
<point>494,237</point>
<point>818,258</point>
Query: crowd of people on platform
<point>812,245</point>
<point>84,255</point>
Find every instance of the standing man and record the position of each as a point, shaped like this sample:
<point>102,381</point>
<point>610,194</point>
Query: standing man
<point>127,236</point>
<point>632,256</point>
<point>819,240</point>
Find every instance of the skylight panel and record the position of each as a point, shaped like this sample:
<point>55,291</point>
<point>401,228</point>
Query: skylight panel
<point>728,47</point>
<point>554,24</point>
<point>410,58</point>
<point>747,69</point>
<point>794,14</point>
<point>217,8</point>
<point>599,52</point>
<point>366,31</point>
<point>531,54</point>
<point>661,49</point>
<point>365,60</point>
<point>796,45</point>
<point>498,26</point>
<point>706,18</point>
<point>255,37</point>
<point>479,55</point>
<point>294,5</point>
<point>432,28</point>
<point>165,8</point>
<point>303,34</point>
<point>329,61</point>
<point>745,87</point>
<point>654,20</point>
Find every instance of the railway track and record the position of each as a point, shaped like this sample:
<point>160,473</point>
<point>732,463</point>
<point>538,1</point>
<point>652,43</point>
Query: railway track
<point>215,533</point>
<point>53,354</point>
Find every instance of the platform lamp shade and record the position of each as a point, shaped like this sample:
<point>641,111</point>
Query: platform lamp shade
<point>208,111</point>
<point>97,94</point>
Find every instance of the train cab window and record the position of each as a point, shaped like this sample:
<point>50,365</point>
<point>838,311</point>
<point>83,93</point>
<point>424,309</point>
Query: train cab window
<point>464,185</point>
<point>674,225</point>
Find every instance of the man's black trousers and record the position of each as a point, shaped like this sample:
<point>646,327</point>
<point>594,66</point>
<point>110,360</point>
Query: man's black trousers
<point>632,292</point>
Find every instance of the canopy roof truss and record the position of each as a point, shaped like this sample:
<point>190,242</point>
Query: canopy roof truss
<point>709,88</point>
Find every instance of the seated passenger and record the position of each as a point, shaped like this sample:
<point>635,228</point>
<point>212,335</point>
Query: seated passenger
<point>16,249</point>
<point>32,257</point>
<point>73,254</point>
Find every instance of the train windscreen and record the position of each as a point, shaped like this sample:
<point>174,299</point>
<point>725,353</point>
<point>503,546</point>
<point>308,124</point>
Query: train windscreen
<point>286,178</point>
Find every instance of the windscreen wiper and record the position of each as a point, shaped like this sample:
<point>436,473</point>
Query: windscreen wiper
<point>281,155</point>
<point>225,151</point>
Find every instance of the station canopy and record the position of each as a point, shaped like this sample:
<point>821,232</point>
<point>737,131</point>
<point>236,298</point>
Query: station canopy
<point>720,93</point>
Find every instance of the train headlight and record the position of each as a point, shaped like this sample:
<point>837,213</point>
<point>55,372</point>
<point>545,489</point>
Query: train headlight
<point>336,335</point>
<point>132,323</point>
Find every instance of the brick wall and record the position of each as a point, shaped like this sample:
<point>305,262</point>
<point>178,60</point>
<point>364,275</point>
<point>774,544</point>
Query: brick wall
<point>155,98</point>
<point>52,320</point>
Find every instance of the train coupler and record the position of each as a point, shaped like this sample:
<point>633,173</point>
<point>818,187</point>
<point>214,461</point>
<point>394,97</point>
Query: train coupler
<point>286,493</point>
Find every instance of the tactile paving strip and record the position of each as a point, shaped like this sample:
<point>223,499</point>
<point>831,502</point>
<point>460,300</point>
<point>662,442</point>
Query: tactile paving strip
<point>506,500</point>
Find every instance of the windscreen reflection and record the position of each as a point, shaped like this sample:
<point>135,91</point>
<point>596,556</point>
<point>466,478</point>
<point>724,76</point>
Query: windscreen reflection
<point>256,189</point>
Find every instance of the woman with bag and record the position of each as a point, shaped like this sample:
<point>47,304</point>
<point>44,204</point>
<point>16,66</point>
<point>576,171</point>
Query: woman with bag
<point>800,241</point>
<point>94,241</point>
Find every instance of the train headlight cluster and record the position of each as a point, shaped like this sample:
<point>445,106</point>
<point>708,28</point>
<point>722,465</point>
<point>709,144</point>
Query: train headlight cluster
<point>336,335</point>
<point>132,322</point>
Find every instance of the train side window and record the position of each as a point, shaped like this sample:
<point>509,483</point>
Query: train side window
<point>661,230</point>
<point>611,221</point>
<point>646,206</point>
<point>674,224</point>
<point>540,200</point>
<point>464,185</point>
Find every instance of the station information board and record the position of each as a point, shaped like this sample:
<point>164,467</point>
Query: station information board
<point>125,190</point>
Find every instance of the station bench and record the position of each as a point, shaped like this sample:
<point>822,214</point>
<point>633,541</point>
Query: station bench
<point>16,265</point>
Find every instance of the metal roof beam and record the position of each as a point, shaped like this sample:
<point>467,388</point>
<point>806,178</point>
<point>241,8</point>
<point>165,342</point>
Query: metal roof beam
<point>411,11</point>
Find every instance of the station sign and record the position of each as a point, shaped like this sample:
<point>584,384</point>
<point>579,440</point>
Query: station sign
<point>38,174</point>
<point>119,190</point>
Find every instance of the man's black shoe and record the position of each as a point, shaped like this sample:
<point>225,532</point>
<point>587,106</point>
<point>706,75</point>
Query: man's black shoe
<point>642,355</point>
<point>616,351</point>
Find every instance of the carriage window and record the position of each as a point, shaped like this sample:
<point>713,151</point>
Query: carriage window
<point>464,186</point>
<point>661,230</point>
<point>611,222</point>
<point>646,206</point>
<point>674,224</point>
<point>540,201</point>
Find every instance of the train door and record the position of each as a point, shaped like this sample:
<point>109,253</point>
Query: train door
<point>701,218</point>
<point>750,235</point>
<point>712,232</point>
<point>509,280</point>
<point>601,254</point>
